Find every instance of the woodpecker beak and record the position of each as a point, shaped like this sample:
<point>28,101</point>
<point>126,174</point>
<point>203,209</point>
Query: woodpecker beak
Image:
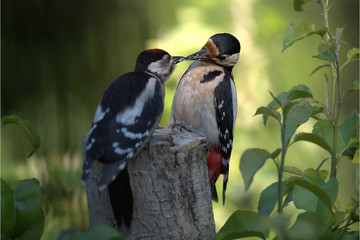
<point>176,60</point>
<point>200,55</point>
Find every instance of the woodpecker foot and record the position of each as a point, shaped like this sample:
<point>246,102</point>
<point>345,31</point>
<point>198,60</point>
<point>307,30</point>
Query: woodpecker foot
<point>178,125</point>
<point>158,138</point>
<point>181,125</point>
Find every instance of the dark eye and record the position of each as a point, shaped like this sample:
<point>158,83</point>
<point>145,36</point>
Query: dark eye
<point>221,58</point>
<point>167,58</point>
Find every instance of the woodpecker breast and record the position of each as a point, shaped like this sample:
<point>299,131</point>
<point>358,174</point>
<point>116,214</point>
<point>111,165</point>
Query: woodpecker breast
<point>194,100</point>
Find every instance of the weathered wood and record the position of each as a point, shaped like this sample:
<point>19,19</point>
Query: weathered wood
<point>171,190</point>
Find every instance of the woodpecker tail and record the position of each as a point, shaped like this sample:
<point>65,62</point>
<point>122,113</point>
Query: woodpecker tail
<point>225,172</point>
<point>214,195</point>
<point>121,198</point>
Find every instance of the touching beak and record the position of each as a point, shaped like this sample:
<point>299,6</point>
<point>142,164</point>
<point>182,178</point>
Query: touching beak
<point>200,55</point>
<point>177,59</point>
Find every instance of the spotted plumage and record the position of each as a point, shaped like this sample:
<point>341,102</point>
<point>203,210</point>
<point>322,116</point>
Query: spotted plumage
<point>205,101</point>
<point>124,121</point>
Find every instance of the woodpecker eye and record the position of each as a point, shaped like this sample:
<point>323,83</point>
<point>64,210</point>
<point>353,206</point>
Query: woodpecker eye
<point>166,58</point>
<point>221,58</point>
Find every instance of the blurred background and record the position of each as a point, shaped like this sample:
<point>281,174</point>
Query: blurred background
<point>58,56</point>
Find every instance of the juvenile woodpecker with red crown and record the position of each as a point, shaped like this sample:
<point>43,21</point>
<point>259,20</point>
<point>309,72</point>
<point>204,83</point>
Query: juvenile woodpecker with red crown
<point>126,118</point>
<point>205,101</point>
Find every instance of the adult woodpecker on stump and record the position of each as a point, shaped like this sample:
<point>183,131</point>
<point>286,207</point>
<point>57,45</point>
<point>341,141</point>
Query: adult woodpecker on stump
<point>205,101</point>
<point>124,122</point>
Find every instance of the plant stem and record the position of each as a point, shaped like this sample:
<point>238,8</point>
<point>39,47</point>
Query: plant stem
<point>348,222</point>
<point>282,163</point>
<point>325,4</point>
<point>337,114</point>
<point>335,70</point>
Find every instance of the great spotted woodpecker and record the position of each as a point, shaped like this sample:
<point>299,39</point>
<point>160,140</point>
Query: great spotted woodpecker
<point>205,101</point>
<point>127,116</point>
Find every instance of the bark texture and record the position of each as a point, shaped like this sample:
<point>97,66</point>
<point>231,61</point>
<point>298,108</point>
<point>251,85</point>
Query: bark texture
<point>170,186</point>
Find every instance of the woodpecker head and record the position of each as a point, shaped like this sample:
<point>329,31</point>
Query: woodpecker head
<point>157,62</point>
<point>222,49</point>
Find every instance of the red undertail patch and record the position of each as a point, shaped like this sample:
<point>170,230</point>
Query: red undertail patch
<point>214,162</point>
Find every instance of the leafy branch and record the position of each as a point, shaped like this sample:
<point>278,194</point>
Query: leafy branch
<point>312,190</point>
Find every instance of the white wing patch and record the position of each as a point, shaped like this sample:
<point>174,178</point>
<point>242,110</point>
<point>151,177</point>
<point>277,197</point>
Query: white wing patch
<point>99,114</point>
<point>128,116</point>
<point>89,145</point>
<point>92,128</point>
<point>132,135</point>
<point>122,166</point>
<point>121,151</point>
<point>234,101</point>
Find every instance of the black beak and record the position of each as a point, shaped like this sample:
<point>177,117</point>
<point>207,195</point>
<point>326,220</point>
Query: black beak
<point>200,55</point>
<point>177,59</point>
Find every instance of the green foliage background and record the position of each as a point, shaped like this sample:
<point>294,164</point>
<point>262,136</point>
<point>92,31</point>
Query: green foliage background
<point>59,56</point>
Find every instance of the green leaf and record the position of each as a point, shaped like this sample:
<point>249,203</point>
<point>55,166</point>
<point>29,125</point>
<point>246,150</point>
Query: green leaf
<point>308,225</point>
<point>353,54</point>
<point>355,87</point>
<point>21,209</point>
<point>318,176</point>
<point>29,129</point>
<point>243,223</point>
<point>250,162</point>
<point>269,198</point>
<point>268,112</point>
<point>348,129</point>
<point>284,98</point>
<point>315,189</point>
<point>313,138</point>
<point>295,95</point>
<point>36,229</point>
<point>326,52</point>
<point>7,211</point>
<point>336,219</point>
<point>298,4</point>
<point>293,170</point>
<point>298,30</point>
<point>95,232</point>
<point>307,200</point>
<point>351,235</point>
<point>275,153</point>
<point>297,116</point>
<point>324,129</point>
<point>27,204</point>
<point>276,101</point>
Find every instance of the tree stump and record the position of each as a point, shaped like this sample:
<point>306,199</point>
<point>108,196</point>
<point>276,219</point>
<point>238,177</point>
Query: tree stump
<point>170,188</point>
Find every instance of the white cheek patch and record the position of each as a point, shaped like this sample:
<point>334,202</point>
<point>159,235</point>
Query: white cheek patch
<point>160,67</point>
<point>129,115</point>
<point>230,61</point>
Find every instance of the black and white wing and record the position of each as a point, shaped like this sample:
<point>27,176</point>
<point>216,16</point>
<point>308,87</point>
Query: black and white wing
<point>226,107</point>
<point>127,116</point>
